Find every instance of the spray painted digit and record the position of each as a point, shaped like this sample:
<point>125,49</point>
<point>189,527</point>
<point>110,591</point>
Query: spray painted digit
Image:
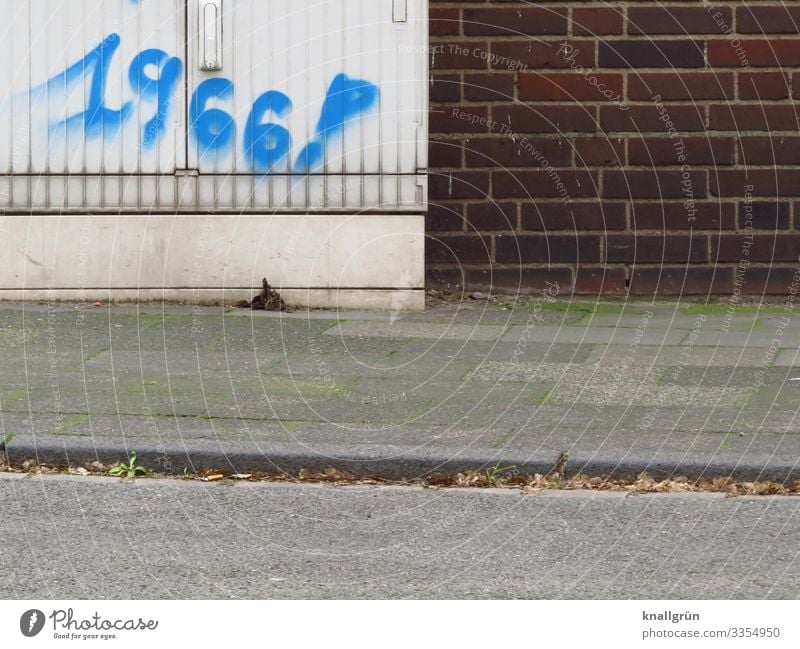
<point>213,128</point>
<point>267,145</point>
<point>97,119</point>
<point>161,88</point>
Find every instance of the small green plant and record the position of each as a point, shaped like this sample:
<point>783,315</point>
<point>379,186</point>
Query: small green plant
<point>6,441</point>
<point>497,471</point>
<point>4,447</point>
<point>131,469</point>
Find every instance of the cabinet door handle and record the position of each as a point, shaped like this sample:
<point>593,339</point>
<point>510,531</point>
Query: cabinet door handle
<point>400,11</point>
<point>210,18</point>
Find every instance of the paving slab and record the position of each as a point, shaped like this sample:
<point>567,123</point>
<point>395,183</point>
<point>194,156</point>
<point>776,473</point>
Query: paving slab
<point>686,355</point>
<point>401,330</point>
<point>691,388</point>
<point>589,335</point>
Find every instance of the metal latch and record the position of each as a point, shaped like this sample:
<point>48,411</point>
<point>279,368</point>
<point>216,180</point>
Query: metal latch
<point>400,11</point>
<point>210,30</point>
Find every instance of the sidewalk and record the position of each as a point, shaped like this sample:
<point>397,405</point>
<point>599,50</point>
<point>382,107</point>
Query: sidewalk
<point>671,389</point>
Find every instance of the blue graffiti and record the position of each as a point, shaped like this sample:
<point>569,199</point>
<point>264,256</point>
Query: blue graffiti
<point>266,144</point>
<point>346,99</point>
<point>97,118</point>
<point>160,88</point>
<point>214,129</point>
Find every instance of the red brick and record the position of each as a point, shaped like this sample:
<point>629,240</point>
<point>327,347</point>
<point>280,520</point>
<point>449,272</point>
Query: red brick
<point>768,280</point>
<point>577,217</point>
<point>652,54</point>
<point>652,183</point>
<point>568,87</point>
<point>764,215</point>
<point>677,215</point>
<point>668,151</point>
<point>761,247</point>
<point>767,20</point>
<point>542,184</point>
<point>518,152</point>
<point>459,119</point>
<point>678,85</point>
<point>763,85</point>
<point>454,55</point>
<point>603,281</point>
<point>489,215</point>
<point>685,280</point>
<point>758,53</point>
<point>444,21</point>
<point>676,20</point>
<point>458,184</point>
<point>547,249</point>
<point>523,20</point>
<point>537,54</point>
<point>445,87</point>
<point>489,87</point>
<point>445,217</point>
<point>599,152</point>
<point>590,21</point>
<point>766,182</point>
<point>647,248</point>
<point>445,153</point>
<point>766,150</point>
<point>546,119</point>
<point>517,281</point>
<point>458,249</point>
<point>636,119</point>
<point>754,118</point>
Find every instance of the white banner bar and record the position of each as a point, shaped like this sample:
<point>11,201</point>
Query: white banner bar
<point>334,624</point>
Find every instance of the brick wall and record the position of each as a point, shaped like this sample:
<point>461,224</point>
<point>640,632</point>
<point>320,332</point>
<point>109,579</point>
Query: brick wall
<point>612,147</point>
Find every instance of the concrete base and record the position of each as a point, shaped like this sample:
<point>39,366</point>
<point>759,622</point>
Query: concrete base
<point>348,299</point>
<point>371,261</point>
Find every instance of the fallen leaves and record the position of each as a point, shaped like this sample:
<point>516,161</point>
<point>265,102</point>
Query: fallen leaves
<point>527,484</point>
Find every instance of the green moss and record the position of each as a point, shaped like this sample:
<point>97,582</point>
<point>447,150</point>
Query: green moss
<point>68,426</point>
<point>725,307</point>
<point>416,414</point>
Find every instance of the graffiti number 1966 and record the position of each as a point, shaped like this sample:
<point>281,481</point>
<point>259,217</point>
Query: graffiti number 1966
<point>155,77</point>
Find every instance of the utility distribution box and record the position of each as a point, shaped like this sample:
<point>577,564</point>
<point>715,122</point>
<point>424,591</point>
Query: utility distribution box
<point>186,149</point>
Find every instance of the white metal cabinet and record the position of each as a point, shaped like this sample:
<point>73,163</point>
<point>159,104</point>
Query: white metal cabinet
<point>152,148</point>
<point>309,105</point>
<point>93,114</point>
<point>323,105</point>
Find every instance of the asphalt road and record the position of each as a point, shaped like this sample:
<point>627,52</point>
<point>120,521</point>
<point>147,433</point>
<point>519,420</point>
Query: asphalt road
<point>72,537</point>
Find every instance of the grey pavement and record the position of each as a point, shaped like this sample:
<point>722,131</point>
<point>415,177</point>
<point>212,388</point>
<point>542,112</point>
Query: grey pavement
<point>669,388</point>
<point>96,538</point>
